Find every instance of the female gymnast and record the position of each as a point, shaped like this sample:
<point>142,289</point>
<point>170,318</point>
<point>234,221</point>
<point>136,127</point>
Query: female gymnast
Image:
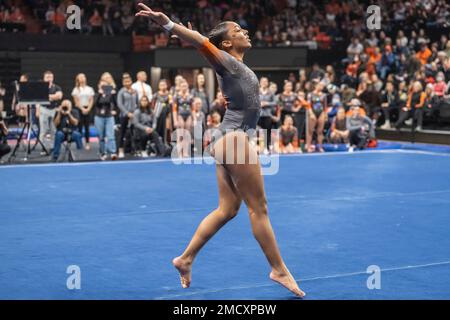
<point>224,49</point>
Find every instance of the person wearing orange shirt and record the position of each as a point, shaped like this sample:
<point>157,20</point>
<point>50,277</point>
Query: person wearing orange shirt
<point>414,106</point>
<point>423,54</point>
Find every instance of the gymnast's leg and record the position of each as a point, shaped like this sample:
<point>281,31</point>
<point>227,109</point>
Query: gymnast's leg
<point>229,203</point>
<point>250,184</point>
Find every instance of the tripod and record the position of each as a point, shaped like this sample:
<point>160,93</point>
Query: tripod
<point>28,126</point>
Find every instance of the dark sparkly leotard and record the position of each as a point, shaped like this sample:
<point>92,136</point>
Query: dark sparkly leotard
<point>239,86</point>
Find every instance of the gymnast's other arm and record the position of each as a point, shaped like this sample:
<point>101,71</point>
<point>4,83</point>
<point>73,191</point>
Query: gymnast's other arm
<point>186,34</point>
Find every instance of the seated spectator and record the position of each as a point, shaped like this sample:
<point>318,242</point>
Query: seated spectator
<point>386,64</point>
<point>56,19</point>
<point>4,14</point>
<point>431,104</point>
<point>107,19</point>
<point>339,132</point>
<point>423,54</point>
<point>288,139</point>
<point>370,99</point>
<point>389,104</point>
<point>347,93</point>
<point>16,16</point>
<point>355,48</point>
<point>360,127</point>
<point>351,72</point>
<point>414,106</point>
<point>145,133</point>
<point>440,87</point>
<point>66,123</point>
<point>96,22</point>
<point>4,147</point>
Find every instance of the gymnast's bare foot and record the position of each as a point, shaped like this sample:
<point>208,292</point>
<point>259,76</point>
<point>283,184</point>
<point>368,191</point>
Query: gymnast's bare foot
<point>184,267</point>
<point>287,280</point>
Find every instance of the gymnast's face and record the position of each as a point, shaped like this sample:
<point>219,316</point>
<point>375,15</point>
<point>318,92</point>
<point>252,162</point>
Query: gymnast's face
<point>237,37</point>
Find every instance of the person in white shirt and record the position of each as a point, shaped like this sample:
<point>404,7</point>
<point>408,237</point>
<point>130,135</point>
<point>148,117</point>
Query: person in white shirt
<point>354,48</point>
<point>83,97</point>
<point>141,87</point>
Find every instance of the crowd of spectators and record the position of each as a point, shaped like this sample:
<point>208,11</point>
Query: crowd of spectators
<point>137,119</point>
<point>385,82</point>
<point>11,18</point>
<point>270,22</point>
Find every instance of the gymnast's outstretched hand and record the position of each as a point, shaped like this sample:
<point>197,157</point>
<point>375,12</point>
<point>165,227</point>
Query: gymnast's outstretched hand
<point>157,17</point>
<point>179,30</point>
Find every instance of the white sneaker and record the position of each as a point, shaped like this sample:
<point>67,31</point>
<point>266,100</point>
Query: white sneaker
<point>418,128</point>
<point>408,122</point>
<point>386,126</point>
<point>351,149</point>
<point>144,154</point>
<point>266,152</point>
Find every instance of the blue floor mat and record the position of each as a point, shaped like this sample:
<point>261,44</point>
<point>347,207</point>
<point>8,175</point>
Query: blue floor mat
<point>334,215</point>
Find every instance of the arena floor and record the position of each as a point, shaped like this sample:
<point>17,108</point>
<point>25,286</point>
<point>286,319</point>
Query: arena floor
<point>334,215</point>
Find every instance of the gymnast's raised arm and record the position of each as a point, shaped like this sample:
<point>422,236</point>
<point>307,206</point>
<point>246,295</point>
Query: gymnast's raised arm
<point>185,34</point>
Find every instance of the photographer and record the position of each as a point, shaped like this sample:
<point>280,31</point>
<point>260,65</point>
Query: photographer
<point>66,123</point>
<point>4,147</point>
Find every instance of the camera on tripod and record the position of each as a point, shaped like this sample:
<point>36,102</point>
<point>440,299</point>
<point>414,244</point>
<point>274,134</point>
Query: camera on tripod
<point>68,133</point>
<point>30,93</point>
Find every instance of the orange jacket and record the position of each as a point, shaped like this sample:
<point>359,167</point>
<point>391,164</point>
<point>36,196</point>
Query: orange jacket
<point>423,55</point>
<point>423,96</point>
